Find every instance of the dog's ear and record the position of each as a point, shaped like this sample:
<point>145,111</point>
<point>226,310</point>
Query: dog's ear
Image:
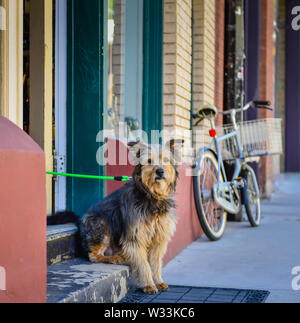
<point>175,146</point>
<point>133,143</point>
<point>136,147</point>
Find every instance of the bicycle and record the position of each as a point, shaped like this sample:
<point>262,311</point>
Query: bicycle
<point>214,194</point>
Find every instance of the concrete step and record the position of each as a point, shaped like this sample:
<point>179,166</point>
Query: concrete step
<point>61,243</point>
<point>80,281</point>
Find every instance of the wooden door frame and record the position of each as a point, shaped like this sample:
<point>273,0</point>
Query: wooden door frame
<point>41,82</point>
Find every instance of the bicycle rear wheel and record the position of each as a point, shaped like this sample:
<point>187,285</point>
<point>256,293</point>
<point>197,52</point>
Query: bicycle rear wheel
<point>211,216</point>
<point>253,208</point>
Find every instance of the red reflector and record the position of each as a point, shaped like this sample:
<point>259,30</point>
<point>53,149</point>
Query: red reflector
<point>212,133</point>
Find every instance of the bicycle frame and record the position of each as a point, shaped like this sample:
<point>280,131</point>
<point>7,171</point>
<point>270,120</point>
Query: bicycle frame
<point>224,191</point>
<point>238,161</point>
<point>214,193</point>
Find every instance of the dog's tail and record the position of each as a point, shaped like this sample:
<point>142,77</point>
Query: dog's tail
<point>63,217</point>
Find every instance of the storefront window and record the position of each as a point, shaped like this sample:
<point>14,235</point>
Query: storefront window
<point>125,67</point>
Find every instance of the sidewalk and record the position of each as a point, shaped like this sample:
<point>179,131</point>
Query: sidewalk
<point>249,258</point>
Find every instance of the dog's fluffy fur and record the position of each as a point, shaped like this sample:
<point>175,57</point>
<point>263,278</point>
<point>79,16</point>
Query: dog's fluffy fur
<point>134,224</point>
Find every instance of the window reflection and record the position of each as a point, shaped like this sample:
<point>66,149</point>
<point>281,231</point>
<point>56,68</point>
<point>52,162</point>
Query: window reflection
<point>125,65</point>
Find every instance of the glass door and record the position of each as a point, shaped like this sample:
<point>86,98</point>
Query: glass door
<point>114,83</point>
<point>123,60</point>
<point>84,101</point>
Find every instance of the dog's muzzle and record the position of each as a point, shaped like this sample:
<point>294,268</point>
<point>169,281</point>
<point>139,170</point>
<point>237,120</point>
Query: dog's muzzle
<point>160,174</point>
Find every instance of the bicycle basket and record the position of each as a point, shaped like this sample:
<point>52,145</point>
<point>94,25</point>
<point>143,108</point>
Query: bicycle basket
<point>258,138</point>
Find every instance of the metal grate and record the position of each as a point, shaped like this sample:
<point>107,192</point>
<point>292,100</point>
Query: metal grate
<point>258,138</point>
<point>186,294</point>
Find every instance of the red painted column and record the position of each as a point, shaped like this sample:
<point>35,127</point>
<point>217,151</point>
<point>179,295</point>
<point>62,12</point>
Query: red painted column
<point>267,85</point>
<point>188,227</point>
<point>22,217</point>
<point>117,163</point>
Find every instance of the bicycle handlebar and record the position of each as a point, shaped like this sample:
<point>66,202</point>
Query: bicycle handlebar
<point>244,108</point>
<point>232,112</point>
<point>260,103</point>
<point>255,104</point>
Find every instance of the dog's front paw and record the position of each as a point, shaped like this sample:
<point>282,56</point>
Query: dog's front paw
<point>117,260</point>
<point>162,287</point>
<point>150,289</point>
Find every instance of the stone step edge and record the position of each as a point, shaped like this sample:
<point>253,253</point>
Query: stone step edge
<point>79,281</point>
<point>55,232</point>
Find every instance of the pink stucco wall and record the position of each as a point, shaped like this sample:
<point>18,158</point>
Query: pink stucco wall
<point>22,216</point>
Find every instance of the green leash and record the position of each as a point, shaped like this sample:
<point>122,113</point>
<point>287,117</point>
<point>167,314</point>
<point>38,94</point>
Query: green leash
<point>115,178</point>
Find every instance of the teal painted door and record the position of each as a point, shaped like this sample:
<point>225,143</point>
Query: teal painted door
<point>101,40</point>
<point>84,101</point>
<point>153,65</point>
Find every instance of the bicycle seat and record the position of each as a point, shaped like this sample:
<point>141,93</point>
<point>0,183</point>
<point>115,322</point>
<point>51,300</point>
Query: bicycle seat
<point>208,111</point>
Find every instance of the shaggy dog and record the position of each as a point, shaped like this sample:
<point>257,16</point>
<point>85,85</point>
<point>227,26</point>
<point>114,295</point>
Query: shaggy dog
<point>134,224</point>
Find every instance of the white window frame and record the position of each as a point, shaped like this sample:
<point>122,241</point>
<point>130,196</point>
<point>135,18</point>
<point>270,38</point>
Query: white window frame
<point>61,102</point>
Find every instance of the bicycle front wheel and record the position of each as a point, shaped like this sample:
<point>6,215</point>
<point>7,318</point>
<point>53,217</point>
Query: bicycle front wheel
<point>211,216</point>
<point>253,207</point>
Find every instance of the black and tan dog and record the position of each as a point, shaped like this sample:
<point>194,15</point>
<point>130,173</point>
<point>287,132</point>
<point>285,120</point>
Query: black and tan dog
<point>134,224</point>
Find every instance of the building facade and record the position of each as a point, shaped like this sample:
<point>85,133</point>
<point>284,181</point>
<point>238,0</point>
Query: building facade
<point>81,77</point>
<point>71,69</point>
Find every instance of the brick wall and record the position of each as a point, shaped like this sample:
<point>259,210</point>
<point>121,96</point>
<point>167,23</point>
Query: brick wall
<point>207,61</point>
<point>204,63</point>
<point>177,67</point>
<point>208,64</point>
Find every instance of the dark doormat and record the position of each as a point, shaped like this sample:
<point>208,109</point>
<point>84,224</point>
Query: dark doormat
<point>185,294</point>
